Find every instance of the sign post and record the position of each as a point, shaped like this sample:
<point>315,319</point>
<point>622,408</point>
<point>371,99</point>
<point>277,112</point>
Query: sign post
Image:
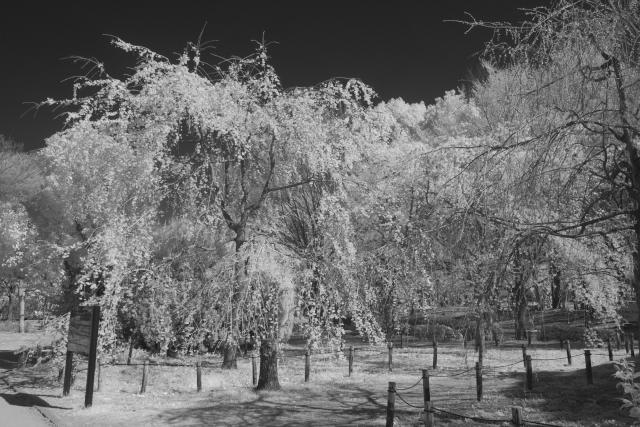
<point>83,338</point>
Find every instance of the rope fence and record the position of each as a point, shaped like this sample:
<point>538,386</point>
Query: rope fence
<point>427,409</point>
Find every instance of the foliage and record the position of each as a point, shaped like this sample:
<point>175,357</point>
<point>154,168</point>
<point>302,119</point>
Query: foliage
<point>558,92</point>
<point>225,205</point>
<point>20,173</point>
<point>625,372</point>
<point>168,143</point>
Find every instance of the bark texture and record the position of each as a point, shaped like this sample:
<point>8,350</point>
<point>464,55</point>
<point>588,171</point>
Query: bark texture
<point>268,379</point>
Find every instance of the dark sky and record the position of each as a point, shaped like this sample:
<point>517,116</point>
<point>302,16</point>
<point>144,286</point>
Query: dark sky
<point>402,49</point>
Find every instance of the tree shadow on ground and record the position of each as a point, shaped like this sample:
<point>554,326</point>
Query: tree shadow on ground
<point>565,396</point>
<point>24,399</point>
<point>355,406</point>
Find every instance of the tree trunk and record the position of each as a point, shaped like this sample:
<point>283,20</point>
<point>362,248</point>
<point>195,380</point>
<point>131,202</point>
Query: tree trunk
<point>21,298</point>
<point>521,320</point>
<point>480,337</point>
<point>230,351</point>
<point>268,379</point>
<point>494,330</point>
<point>230,348</point>
<point>555,290</point>
<point>636,270</point>
<point>520,309</point>
<point>10,305</point>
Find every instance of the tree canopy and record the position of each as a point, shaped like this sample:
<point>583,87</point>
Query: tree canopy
<point>204,205</point>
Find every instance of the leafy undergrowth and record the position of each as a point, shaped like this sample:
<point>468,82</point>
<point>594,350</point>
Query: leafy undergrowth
<point>560,394</point>
<point>12,341</point>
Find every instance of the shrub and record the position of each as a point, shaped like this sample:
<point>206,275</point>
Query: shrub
<point>443,332</point>
<point>592,337</point>
<point>630,388</point>
<point>564,332</point>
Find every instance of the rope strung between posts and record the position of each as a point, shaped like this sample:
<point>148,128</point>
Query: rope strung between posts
<point>455,375</point>
<point>409,388</point>
<point>600,354</point>
<point>519,362</point>
<point>468,417</point>
<point>473,418</point>
<point>413,406</point>
<point>176,365</point>
<point>537,423</point>
<point>543,359</point>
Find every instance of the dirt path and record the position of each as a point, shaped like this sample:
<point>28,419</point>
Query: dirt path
<point>19,409</point>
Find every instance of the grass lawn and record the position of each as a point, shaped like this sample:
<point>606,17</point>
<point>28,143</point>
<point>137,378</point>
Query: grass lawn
<point>560,393</point>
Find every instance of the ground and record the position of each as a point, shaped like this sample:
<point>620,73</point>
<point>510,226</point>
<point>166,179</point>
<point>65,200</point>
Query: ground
<point>560,395</point>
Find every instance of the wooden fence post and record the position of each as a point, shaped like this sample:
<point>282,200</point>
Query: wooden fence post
<point>143,386</point>
<point>587,360</point>
<point>479,381</point>
<point>428,414</point>
<point>390,345</point>
<point>516,416</point>
<point>254,368</point>
<point>391,402</point>
<point>435,351</point>
<point>199,376</point>
<point>426,387</point>
<point>68,367</point>
<point>529,374</point>
<point>350,360</point>
<point>610,351</point>
<point>569,352</point>
<point>524,355</point>
<point>428,406</point>
<point>307,366</point>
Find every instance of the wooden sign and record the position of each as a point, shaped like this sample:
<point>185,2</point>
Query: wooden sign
<point>83,338</point>
<point>79,340</point>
